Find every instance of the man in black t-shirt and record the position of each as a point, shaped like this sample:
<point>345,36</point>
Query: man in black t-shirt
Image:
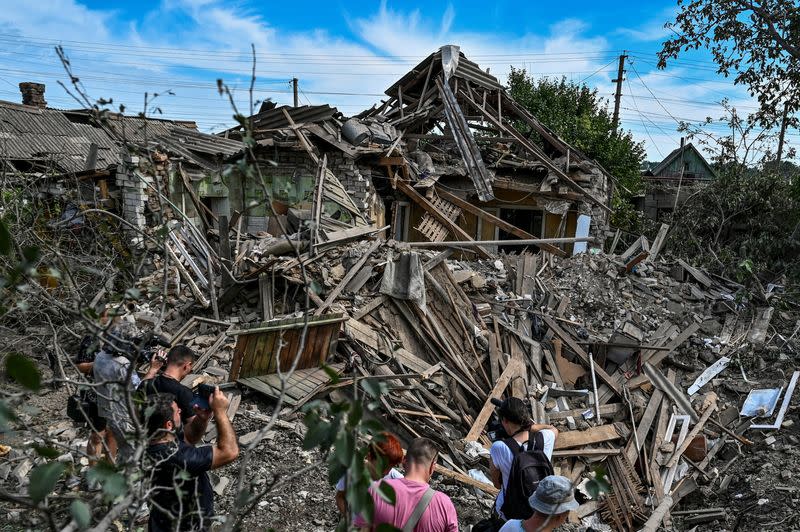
<point>179,364</point>
<point>181,496</point>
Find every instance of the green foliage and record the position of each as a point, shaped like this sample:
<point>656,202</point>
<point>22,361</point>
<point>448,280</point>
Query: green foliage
<point>758,43</point>
<point>81,513</point>
<point>46,452</point>
<point>43,480</point>
<point>342,429</point>
<point>114,483</point>
<point>22,370</point>
<point>578,115</point>
<point>741,225</point>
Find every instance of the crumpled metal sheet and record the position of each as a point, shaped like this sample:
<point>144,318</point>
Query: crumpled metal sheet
<point>450,54</point>
<point>404,278</point>
<point>481,176</point>
<point>761,403</point>
<point>559,207</point>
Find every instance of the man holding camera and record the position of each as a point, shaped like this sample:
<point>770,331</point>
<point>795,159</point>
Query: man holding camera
<point>178,365</point>
<point>181,496</point>
<point>117,380</point>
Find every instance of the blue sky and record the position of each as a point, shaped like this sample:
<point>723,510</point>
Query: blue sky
<point>348,53</point>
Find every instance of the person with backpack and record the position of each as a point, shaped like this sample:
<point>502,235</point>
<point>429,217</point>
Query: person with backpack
<point>521,460</point>
<point>551,503</point>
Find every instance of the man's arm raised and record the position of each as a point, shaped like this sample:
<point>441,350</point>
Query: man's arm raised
<point>227,448</point>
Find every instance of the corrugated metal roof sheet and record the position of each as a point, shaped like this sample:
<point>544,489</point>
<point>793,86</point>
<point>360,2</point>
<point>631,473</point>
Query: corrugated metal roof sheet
<point>35,134</point>
<point>63,138</point>
<point>202,142</point>
<point>274,118</point>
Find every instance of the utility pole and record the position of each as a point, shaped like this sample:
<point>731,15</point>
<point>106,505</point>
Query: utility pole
<point>618,93</point>
<point>680,180</point>
<point>294,90</point>
<point>780,139</point>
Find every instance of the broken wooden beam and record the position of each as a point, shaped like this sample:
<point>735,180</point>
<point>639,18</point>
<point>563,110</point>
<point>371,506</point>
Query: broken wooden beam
<point>431,209</point>
<point>348,277</point>
<point>497,222</point>
<point>598,434</point>
<point>513,369</point>
<point>570,341</point>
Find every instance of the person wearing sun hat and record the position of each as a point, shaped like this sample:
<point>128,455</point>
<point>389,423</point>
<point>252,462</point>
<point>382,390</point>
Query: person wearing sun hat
<point>551,503</point>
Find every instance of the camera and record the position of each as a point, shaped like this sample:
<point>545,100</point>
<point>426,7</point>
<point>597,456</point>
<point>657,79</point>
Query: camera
<point>495,430</point>
<point>202,397</point>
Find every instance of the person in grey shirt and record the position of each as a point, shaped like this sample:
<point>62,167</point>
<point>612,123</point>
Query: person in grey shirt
<point>111,371</point>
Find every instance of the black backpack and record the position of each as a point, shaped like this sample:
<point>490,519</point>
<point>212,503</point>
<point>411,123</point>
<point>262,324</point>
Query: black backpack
<point>527,469</point>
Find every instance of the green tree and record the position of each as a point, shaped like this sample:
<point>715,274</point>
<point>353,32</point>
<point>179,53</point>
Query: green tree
<point>758,43</point>
<point>578,115</point>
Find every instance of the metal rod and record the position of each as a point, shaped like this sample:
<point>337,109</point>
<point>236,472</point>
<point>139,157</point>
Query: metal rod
<point>594,387</point>
<point>521,242</point>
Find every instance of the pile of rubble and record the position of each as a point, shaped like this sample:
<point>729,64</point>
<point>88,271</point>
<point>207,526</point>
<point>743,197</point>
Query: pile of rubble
<point>640,362</point>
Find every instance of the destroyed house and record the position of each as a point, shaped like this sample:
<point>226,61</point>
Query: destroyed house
<point>449,155</point>
<point>300,152</point>
<point>478,166</point>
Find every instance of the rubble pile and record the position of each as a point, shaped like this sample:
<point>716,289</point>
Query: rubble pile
<point>642,371</point>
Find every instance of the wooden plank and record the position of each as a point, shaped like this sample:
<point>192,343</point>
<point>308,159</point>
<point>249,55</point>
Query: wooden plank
<point>661,428</point>
<point>494,356</point>
<point>614,242</point>
<point>431,209</point>
<point>302,137</point>
<point>643,426</point>
<point>494,220</point>
<point>567,339</point>
<point>250,360</point>
<point>469,481</point>
<point>518,385</point>
<point>364,333</point>
<point>584,453</point>
<point>513,369</point>
<point>238,353</point>
<point>598,434</point>
<point>348,277</point>
<point>370,306</point>
<point>698,275</point>
<point>658,242</point>
<point>654,357</point>
<point>264,388</point>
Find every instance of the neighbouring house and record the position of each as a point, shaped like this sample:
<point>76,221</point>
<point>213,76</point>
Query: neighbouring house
<point>126,163</point>
<point>678,175</point>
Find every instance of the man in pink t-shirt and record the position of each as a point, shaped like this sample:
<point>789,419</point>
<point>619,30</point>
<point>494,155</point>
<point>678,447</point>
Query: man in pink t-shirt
<point>435,514</point>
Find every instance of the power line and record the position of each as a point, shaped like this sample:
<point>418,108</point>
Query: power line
<point>633,99</point>
<point>104,46</point>
<point>633,67</point>
<point>598,70</point>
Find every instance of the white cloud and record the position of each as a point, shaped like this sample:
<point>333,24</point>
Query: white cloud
<point>186,44</point>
